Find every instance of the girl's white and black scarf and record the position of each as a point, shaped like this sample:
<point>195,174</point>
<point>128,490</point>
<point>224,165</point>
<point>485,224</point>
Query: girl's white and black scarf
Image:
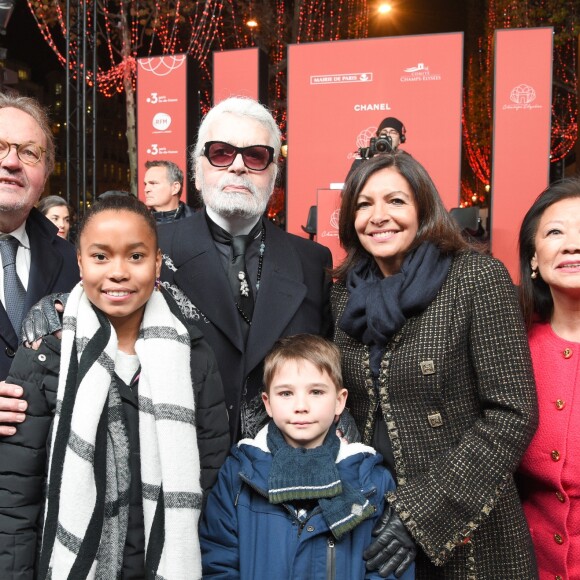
<point>88,488</point>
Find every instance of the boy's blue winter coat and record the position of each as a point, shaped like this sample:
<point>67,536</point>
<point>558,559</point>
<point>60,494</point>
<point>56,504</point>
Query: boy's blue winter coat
<point>244,536</point>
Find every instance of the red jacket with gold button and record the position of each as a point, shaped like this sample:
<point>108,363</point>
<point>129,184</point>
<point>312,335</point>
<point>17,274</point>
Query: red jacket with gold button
<point>549,475</point>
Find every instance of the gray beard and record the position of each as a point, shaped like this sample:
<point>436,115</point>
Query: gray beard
<point>243,205</point>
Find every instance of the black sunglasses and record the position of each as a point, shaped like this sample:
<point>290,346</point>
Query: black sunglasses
<point>255,157</point>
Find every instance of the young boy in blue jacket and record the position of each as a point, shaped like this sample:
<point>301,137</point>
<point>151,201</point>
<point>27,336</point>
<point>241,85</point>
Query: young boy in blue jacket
<point>296,502</point>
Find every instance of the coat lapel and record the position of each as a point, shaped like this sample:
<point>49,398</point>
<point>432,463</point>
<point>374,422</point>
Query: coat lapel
<point>45,265</point>
<point>45,261</point>
<point>201,277</point>
<point>6,331</point>
<point>282,291</point>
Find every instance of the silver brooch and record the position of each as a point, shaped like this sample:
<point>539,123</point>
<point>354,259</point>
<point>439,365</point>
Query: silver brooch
<point>244,288</point>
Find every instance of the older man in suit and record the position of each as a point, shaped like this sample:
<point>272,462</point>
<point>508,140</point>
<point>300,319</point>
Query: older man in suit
<point>241,279</point>
<point>35,261</point>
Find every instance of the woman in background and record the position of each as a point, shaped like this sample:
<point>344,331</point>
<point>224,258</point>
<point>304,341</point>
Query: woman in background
<point>57,211</point>
<point>437,365</point>
<point>549,475</point>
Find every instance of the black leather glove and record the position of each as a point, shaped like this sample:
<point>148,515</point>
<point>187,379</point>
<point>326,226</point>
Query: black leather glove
<point>394,548</point>
<point>348,428</point>
<point>43,318</point>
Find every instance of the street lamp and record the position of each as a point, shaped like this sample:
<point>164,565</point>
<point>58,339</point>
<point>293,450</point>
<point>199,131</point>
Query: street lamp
<point>384,8</point>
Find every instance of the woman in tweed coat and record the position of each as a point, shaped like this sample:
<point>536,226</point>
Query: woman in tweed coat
<point>437,365</point>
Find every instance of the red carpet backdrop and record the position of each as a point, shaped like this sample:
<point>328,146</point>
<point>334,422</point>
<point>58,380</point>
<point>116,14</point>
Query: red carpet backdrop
<point>339,92</point>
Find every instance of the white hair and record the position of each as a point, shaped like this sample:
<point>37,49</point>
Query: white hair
<point>243,107</point>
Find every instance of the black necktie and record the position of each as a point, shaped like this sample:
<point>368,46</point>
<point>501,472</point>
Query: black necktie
<point>14,292</point>
<point>238,275</point>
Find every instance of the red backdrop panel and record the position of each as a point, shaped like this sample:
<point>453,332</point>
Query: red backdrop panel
<point>162,113</point>
<point>236,72</point>
<point>328,202</point>
<point>521,133</point>
<point>339,92</point>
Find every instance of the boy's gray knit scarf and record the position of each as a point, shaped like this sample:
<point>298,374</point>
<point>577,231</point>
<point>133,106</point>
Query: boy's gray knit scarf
<point>306,474</point>
<point>87,501</point>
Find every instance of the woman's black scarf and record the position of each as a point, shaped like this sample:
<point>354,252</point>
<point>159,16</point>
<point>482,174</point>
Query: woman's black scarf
<point>379,306</point>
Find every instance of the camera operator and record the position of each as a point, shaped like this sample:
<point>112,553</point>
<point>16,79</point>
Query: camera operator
<point>389,135</point>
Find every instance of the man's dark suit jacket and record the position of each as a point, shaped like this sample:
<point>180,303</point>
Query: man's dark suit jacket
<point>53,268</point>
<point>293,298</point>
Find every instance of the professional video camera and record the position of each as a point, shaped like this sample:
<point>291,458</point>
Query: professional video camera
<point>376,145</point>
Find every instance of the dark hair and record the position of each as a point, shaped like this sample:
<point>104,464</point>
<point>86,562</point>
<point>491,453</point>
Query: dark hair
<point>33,108</point>
<point>435,223</point>
<point>118,203</point>
<point>50,201</point>
<point>174,172</point>
<point>113,192</point>
<point>322,353</point>
<point>535,296</point>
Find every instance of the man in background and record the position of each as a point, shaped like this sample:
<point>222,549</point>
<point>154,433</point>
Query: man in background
<point>163,187</point>
<point>391,128</point>
<point>389,135</point>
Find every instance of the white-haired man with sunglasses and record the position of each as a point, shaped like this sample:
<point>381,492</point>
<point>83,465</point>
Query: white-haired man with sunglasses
<point>280,288</point>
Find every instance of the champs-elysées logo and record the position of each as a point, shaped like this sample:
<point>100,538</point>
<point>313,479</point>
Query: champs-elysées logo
<point>332,232</point>
<point>341,78</point>
<point>419,73</point>
<point>522,96</point>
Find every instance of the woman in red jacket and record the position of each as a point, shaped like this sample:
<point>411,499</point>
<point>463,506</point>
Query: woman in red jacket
<point>550,298</point>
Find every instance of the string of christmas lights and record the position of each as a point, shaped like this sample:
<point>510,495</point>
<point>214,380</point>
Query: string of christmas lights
<point>129,29</point>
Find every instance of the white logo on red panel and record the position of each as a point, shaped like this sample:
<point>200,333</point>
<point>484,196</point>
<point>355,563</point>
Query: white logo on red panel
<point>161,66</point>
<point>364,77</point>
<point>334,218</point>
<point>420,67</point>
<point>522,96</point>
<point>364,137</point>
<point>333,222</point>
<point>161,121</point>
<point>419,73</point>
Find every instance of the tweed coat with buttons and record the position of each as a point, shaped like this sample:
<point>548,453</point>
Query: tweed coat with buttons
<point>457,392</point>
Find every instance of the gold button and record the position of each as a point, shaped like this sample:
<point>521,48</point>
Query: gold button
<point>555,455</point>
<point>567,352</point>
<point>558,539</point>
<point>558,577</point>
<point>427,367</point>
<point>435,420</point>
<point>560,404</point>
<point>560,497</point>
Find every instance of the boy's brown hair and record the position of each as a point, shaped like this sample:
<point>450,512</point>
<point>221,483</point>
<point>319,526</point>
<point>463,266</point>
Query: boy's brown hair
<point>322,353</point>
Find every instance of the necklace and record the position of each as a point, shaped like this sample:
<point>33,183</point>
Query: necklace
<point>242,277</point>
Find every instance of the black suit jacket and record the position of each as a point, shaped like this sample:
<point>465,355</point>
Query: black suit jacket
<point>53,268</point>
<point>293,298</point>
